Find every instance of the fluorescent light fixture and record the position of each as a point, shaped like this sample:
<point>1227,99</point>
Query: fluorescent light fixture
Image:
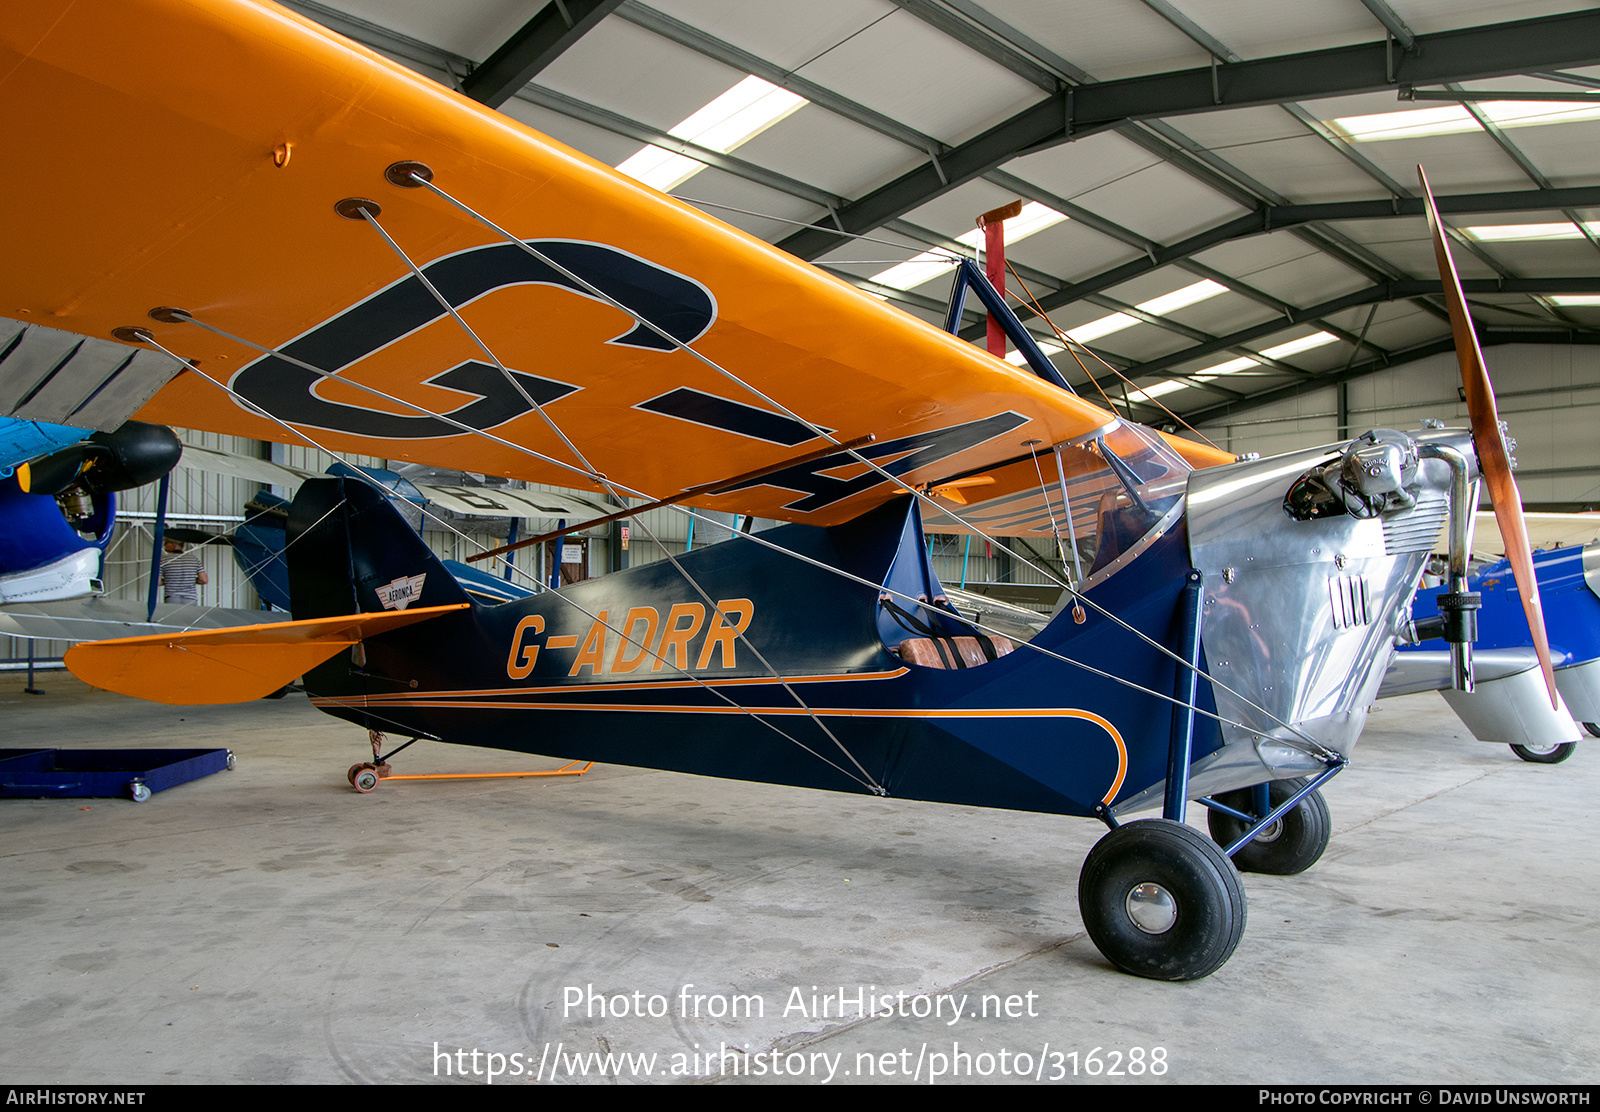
<point>927,266</point>
<point>1575,299</point>
<point>1304,343</point>
<point>730,121</point>
<point>1490,233</point>
<point>1455,119</point>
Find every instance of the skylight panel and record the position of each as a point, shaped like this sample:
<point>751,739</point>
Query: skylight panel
<point>1492,233</point>
<point>1411,123</point>
<point>916,270</point>
<point>1228,368</point>
<point>1576,299</point>
<point>728,122</point>
<point>660,169</point>
<point>1016,358</point>
<point>1180,299</point>
<point>1304,343</point>
<point>1105,326</point>
<point>1293,347</point>
<point>1454,119</point>
<point>927,266</point>
<point>1159,388</point>
<point>1531,113</point>
<point>1158,306</point>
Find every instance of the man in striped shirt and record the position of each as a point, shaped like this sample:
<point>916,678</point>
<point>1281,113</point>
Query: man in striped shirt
<point>181,574</point>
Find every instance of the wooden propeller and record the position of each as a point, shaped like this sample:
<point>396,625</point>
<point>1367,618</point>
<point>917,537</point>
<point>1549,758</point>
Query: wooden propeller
<point>1494,461</point>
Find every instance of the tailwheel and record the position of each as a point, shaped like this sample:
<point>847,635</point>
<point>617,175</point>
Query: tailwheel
<point>1160,900</point>
<point>1546,754</point>
<point>1289,846</point>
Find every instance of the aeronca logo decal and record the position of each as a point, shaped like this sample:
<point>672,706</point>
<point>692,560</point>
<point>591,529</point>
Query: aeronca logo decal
<point>401,593</point>
<point>674,303</point>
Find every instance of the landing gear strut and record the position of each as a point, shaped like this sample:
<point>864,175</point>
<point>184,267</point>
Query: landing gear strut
<point>1284,848</point>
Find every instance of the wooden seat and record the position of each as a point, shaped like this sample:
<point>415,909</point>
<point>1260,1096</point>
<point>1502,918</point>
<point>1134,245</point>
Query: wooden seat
<point>951,652</point>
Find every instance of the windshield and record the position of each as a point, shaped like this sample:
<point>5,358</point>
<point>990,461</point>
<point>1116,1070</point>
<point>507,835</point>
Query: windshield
<point>1119,487</point>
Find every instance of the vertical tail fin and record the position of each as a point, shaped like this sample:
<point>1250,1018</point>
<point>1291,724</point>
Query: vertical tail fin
<point>349,552</point>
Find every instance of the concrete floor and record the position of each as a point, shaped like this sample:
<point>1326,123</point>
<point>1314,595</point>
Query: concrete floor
<point>269,924</point>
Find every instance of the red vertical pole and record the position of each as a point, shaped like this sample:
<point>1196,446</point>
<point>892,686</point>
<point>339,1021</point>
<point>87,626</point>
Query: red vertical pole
<point>994,258</point>
<point>993,224</point>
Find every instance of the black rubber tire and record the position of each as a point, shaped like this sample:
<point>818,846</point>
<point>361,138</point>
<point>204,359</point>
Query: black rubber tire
<point>1551,755</point>
<point>1202,882</point>
<point>1593,728</point>
<point>1296,845</point>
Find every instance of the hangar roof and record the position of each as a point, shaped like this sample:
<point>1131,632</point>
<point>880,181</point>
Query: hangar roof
<point>1222,194</point>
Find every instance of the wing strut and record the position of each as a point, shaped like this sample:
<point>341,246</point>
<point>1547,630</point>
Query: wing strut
<point>717,487</point>
<point>969,276</point>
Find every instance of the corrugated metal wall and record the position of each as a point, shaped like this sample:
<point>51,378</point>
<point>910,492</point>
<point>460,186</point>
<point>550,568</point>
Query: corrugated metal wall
<point>1548,395</point>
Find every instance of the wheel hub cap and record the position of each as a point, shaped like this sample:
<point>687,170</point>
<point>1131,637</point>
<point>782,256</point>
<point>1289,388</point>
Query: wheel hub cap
<point>1270,833</point>
<point>1152,908</point>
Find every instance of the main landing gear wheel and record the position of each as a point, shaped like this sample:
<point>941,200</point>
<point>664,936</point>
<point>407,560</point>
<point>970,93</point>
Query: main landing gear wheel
<point>1547,754</point>
<point>1289,846</point>
<point>1593,728</point>
<point>1160,900</point>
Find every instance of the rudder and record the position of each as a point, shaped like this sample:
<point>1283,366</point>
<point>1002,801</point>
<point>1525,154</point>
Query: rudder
<point>349,552</point>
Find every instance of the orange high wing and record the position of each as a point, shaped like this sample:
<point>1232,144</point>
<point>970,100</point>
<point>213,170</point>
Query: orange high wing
<point>169,153</point>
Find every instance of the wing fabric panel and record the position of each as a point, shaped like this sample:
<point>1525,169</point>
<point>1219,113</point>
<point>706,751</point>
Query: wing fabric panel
<point>167,153</point>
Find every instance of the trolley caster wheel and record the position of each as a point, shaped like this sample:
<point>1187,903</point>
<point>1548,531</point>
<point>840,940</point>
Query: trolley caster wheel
<point>365,780</point>
<point>1160,900</point>
<point>231,760</point>
<point>139,791</point>
<point>1286,848</point>
<point>355,770</point>
<point>1546,754</point>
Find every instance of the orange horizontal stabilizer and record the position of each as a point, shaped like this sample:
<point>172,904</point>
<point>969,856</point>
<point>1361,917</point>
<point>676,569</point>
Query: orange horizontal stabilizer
<point>229,665</point>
